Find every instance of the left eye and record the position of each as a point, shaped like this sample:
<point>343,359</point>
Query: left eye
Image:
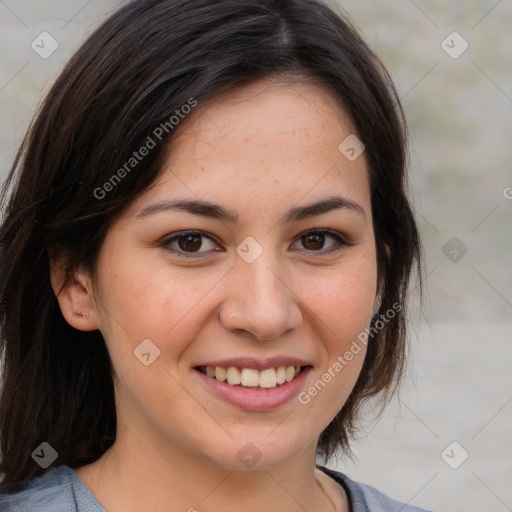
<point>315,239</point>
<point>190,242</point>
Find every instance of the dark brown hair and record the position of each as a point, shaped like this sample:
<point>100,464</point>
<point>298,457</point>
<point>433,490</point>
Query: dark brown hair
<point>132,74</point>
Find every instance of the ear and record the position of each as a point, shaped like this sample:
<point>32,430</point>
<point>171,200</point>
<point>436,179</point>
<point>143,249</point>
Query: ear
<point>75,295</point>
<point>380,286</point>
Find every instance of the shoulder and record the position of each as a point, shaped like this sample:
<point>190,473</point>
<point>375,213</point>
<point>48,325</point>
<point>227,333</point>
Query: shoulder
<point>365,498</point>
<point>59,490</point>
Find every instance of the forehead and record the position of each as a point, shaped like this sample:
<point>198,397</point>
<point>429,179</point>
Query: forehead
<point>255,114</point>
<point>273,141</point>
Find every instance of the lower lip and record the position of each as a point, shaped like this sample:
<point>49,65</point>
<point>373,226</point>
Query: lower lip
<point>254,399</point>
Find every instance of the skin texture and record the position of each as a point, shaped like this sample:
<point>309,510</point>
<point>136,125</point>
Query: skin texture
<point>259,150</point>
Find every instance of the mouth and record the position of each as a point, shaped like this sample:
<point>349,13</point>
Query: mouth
<point>251,378</point>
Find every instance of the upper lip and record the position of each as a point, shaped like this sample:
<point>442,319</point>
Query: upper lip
<point>257,364</point>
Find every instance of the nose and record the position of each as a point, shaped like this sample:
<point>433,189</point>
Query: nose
<point>260,301</point>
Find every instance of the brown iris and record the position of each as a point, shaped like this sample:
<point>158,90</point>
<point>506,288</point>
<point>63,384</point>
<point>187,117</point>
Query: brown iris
<point>316,239</point>
<point>192,242</point>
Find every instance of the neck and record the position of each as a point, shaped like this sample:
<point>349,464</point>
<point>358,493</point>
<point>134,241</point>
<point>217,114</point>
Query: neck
<point>133,476</point>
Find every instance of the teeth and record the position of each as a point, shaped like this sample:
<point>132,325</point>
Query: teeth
<point>268,378</point>
<point>281,375</point>
<point>220,373</point>
<point>290,373</point>
<point>250,377</point>
<point>233,376</point>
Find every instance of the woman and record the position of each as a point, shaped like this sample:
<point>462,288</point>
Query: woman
<point>206,249</point>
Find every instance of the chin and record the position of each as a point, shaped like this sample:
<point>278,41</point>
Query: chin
<point>265,450</point>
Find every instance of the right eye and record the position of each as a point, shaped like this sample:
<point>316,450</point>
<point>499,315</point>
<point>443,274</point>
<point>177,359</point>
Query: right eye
<point>186,243</point>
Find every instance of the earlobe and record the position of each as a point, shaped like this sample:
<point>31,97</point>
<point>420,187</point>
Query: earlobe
<point>377,303</point>
<point>380,287</point>
<point>74,294</point>
<point>388,252</point>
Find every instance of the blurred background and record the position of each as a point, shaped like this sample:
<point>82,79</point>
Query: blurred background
<point>444,443</point>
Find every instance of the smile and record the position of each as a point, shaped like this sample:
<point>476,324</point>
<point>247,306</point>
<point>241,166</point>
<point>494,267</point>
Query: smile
<point>254,385</point>
<point>251,378</point>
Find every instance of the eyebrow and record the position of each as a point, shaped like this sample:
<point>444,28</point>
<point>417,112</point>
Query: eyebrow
<point>215,211</point>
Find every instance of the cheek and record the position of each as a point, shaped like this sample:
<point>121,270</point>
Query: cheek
<point>343,308</point>
<point>343,299</point>
<point>144,299</point>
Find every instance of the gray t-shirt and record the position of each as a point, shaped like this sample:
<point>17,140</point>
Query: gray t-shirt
<point>60,490</point>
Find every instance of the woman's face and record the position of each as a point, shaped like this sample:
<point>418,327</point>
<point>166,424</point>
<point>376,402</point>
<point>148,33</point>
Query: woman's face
<point>251,288</point>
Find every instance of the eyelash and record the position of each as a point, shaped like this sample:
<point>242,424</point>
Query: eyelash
<point>340,242</point>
